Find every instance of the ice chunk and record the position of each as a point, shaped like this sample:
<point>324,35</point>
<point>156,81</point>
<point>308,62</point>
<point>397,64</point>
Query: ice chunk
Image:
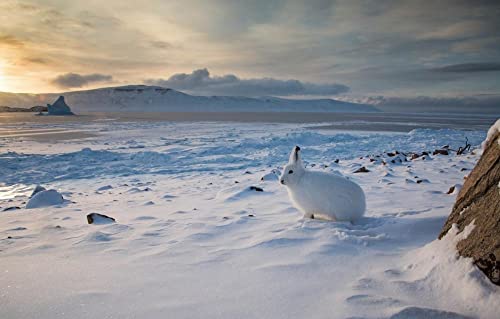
<point>45,198</point>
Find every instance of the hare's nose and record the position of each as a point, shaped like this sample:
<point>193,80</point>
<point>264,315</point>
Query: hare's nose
<point>282,181</point>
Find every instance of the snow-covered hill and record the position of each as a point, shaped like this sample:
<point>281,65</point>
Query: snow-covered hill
<point>141,98</point>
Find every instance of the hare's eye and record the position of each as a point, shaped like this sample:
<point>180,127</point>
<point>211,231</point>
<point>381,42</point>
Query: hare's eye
<point>290,172</point>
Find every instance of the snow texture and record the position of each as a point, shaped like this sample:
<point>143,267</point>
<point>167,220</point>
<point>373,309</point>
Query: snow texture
<point>491,132</point>
<point>45,198</point>
<point>194,239</point>
<point>141,98</point>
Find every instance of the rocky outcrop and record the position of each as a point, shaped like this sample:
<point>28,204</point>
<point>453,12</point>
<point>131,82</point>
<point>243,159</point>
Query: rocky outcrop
<point>59,107</point>
<point>478,202</point>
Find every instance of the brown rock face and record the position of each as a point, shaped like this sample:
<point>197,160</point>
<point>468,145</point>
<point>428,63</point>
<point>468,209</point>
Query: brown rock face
<point>479,201</point>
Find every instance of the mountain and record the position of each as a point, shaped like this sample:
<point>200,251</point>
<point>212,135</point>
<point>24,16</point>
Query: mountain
<point>142,98</point>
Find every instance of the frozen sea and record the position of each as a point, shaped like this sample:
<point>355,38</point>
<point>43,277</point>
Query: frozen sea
<point>192,239</point>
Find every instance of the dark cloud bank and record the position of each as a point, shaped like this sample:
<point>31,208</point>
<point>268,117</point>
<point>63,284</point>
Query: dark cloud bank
<point>74,80</point>
<point>201,82</point>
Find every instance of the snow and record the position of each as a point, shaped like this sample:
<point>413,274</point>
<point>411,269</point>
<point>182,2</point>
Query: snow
<point>492,131</point>
<point>141,98</point>
<point>193,239</point>
<point>45,198</point>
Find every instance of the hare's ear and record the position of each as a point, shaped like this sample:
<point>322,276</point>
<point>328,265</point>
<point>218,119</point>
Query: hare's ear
<point>295,156</point>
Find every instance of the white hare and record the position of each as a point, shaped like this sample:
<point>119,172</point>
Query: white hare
<point>320,194</point>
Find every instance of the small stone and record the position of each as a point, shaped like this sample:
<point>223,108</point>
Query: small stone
<point>362,169</point>
<point>440,152</point>
<point>37,189</point>
<point>451,190</point>
<point>96,218</point>
<point>255,188</point>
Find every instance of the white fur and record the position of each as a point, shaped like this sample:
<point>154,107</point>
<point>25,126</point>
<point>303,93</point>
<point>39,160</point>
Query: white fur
<point>321,194</point>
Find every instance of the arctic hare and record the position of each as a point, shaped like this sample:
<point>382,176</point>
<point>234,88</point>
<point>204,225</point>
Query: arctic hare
<point>320,194</point>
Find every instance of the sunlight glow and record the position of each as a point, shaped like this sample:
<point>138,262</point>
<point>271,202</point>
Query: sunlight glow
<point>2,77</point>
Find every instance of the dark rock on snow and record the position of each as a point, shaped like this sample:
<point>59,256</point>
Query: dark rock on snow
<point>37,190</point>
<point>362,169</point>
<point>451,190</point>
<point>255,188</point>
<point>440,152</point>
<point>96,218</point>
<point>479,201</point>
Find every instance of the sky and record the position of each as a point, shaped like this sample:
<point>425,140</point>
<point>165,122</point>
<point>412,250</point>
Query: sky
<point>364,50</point>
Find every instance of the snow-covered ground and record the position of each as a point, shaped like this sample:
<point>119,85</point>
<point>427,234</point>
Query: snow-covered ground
<point>192,240</point>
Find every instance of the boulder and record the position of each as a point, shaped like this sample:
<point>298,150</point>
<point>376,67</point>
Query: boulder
<point>59,107</point>
<point>478,202</point>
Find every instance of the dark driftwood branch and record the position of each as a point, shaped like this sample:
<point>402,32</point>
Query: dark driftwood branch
<point>461,150</point>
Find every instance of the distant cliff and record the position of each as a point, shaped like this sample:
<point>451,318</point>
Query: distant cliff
<point>141,98</point>
<point>36,109</point>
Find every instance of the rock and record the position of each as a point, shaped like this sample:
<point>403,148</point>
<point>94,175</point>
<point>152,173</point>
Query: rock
<point>336,161</point>
<point>362,169</point>
<point>45,198</point>
<point>59,107</point>
<point>440,151</point>
<point>479,201</point>
<point>491,267</point>
<point>414,156</point>
<point>7,209</point>
<point>451,190</point>
<point>104,188</point>
<point>99,219</point>
<point>255,188</point>
<point>271,176</point>
<point>37,189</point>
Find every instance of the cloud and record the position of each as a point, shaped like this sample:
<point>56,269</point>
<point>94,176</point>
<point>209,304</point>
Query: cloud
<point>10,40</point>
<point>161,45</point>
<point>481,103</point>
<point>469,67</point>
<point>74,80</point>
<point>200,81</point>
